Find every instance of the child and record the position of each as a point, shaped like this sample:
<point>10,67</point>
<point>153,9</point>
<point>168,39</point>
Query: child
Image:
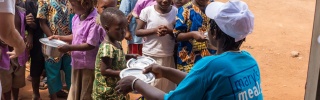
<point>159,44</point>
<point>180,3</point>
<point>53,17</point>
<point>110,59</point>
<point>85,41</point>
<point>14,79</point>
<point>34,34</point>
<point>134,42</point>
<point>190,25</point>
<point>103,4</point>
<point>224,76</point>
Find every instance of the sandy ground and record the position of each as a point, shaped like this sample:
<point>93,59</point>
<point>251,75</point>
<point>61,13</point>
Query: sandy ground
<point>281,26</point>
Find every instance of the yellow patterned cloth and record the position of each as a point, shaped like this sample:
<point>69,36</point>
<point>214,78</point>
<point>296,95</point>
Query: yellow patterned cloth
<point>191,18</point>
<point>118,3</point>
<point>104,87</point>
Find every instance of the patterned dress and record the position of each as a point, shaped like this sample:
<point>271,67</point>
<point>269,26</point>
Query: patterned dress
<point>191,18</point>
<point>57,15</point>
<point>103,87</point>
<point>118,3</point>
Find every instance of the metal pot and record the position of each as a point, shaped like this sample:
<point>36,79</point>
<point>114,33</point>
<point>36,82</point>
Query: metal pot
<point>50,47</point>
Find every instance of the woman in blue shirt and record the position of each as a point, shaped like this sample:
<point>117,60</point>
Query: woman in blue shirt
<point>231,74</point>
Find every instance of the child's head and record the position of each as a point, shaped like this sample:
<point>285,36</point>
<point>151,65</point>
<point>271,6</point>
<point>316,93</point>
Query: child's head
<point>114,22</point>
<point>103,4</point>
<point>164,4</point>
<point>202,3</point>
<point>179,3</point>
<point>82,6</point>
<point>231,23</point>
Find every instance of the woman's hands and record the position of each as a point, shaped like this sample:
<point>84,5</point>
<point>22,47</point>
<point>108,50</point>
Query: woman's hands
<point>124,86</point>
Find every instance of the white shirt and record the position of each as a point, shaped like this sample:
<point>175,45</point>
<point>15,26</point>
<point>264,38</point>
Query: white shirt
<point>154,45</point>
<point>7,6</point>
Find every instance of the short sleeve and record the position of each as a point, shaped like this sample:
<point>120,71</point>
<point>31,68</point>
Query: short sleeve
<point>93,37</point>
<point>125,7</point>
<point>137,8</point>
<point>144,14</point>
<point>7,6</point>
<point>42,9</point>
<point>107,50</point>
<point>193,86</point>
<point>181,21</point>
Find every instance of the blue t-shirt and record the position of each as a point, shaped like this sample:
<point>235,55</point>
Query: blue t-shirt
<point>228,76</point>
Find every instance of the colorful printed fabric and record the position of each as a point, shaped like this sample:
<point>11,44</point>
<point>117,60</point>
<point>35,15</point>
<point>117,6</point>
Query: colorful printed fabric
<point>118,3</point>
<point>104,87</point>
<point>57,15</point>
<point>191,18</point>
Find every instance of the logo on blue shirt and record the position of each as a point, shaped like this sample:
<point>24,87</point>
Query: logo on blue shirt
<point>246,84</point>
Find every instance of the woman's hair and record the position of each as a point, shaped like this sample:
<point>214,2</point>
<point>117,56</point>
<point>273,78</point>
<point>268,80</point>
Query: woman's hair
<point>109,14</point>
<point>227,42</point>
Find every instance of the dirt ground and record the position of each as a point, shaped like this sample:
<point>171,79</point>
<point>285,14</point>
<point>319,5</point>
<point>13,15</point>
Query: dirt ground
<point>281,26</point>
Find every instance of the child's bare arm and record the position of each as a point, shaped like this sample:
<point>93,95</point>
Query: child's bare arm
<point>191,35</point>
<point>141,32</point>
<point>106,68</point>
<point>44,26</point>
<point>29,41</point>
<point>81,47</point>
<point>128,34</point>
<point>67,38</point>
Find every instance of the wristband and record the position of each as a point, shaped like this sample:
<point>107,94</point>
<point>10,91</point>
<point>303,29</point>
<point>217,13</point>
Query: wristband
<point>132,84</point>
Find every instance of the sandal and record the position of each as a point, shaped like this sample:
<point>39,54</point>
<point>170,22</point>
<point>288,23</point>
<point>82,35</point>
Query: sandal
<point>62,94</point>
<point>29,78</point>
<point>43,86</point>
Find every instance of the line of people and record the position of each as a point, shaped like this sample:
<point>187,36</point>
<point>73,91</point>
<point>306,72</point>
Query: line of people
<point>170,31</point>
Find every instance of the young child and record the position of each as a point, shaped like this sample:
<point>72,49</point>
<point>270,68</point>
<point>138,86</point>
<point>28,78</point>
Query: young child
<point>159,43</point>
<point>190,26</point>
<point>180,3</point>
<point>54,20</point>
<point>33,43</point>
<point>101,5</point>
<point>134,42</point>
<point>14,79</point>
<point>110,59</point>
<point>85,41</point>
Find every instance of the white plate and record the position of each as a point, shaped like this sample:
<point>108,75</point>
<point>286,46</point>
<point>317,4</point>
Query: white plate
<point>52,43</point>
<point>140,62</point>
<point>138,73</point>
